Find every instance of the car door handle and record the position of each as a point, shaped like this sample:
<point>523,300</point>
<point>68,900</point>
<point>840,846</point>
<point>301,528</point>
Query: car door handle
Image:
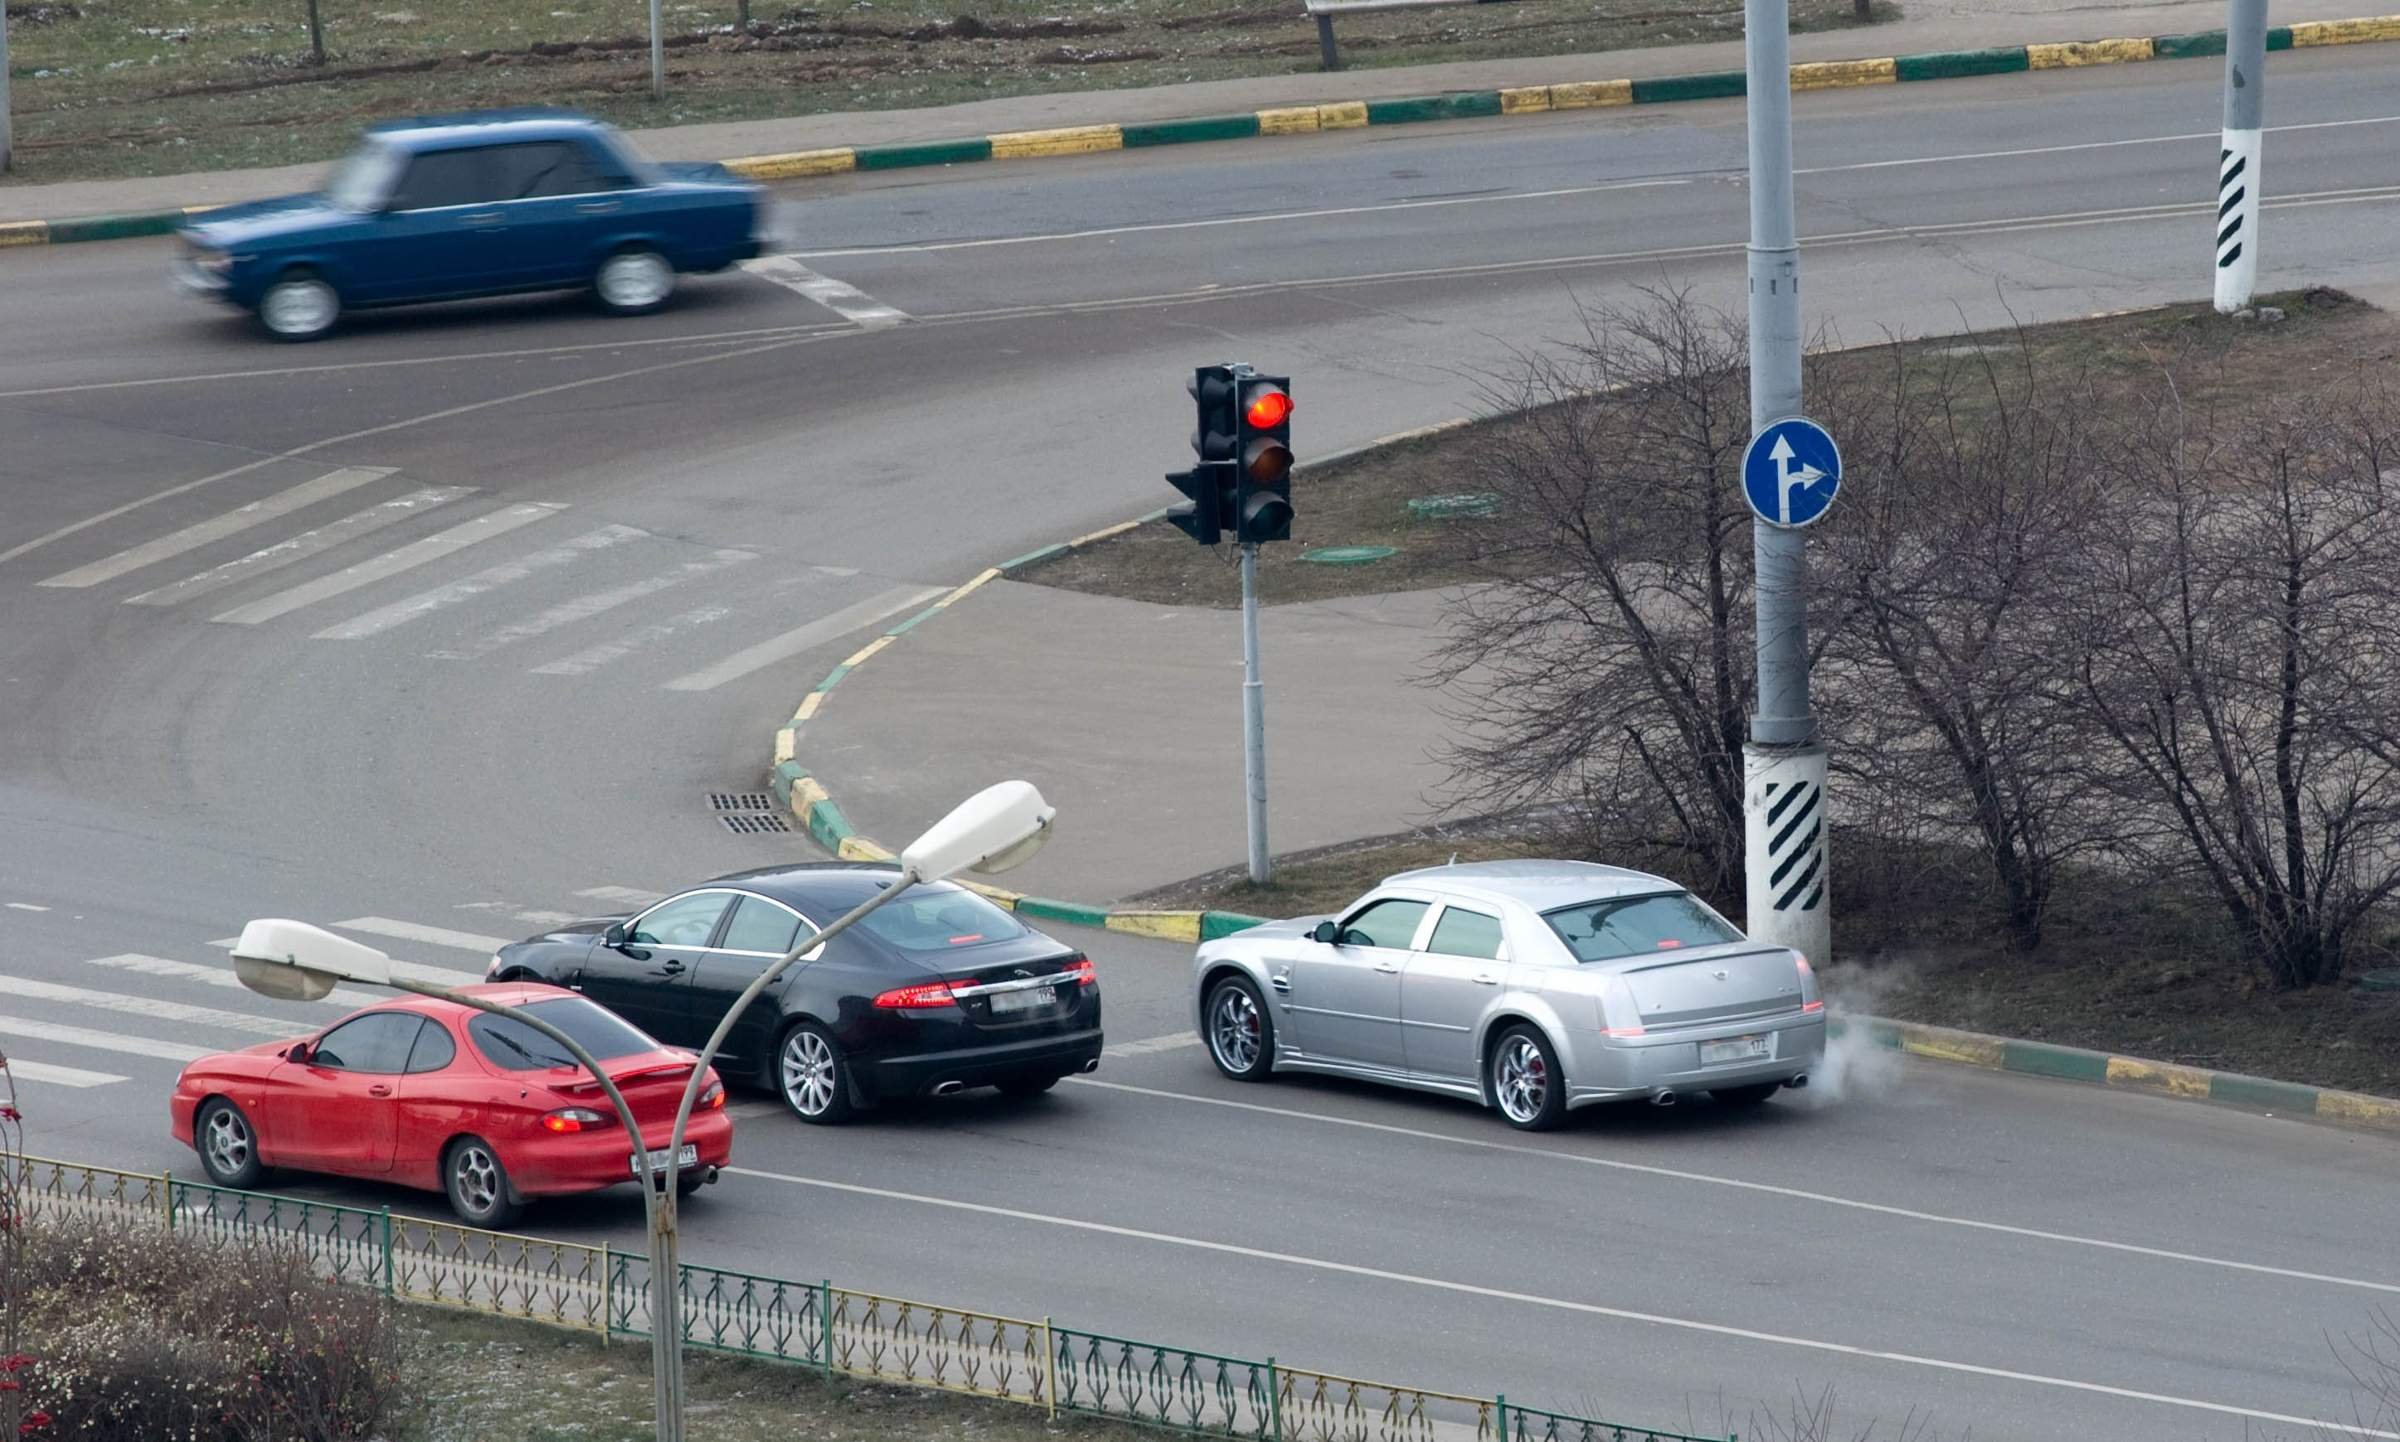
<point>598,207</point>
<point>1387,967</point>
<point>1485,978</point>
<point>481,217</point>
<point>670,967</point>
<point>379,1090</point>
<point>1281,982</point>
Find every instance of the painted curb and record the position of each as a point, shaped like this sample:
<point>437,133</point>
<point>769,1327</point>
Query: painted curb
<point>1403,110</point>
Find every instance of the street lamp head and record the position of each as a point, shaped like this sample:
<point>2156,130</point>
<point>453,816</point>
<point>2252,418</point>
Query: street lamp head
<point>293,961</point>
<point>997,828</point>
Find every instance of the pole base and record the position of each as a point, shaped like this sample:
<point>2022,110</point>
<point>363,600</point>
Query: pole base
<point>1784,861</point>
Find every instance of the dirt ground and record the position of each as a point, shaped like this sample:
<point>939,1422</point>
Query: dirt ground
<point>146,87</point>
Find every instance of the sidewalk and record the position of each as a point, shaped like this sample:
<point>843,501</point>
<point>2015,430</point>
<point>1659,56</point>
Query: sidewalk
<point>1933,25</point>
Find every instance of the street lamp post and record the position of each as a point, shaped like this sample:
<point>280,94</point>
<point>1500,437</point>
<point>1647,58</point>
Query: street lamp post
<point>997,828</point>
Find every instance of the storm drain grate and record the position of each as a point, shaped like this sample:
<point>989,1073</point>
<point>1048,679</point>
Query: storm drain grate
<point>748,824</point>
<point>748,813</point>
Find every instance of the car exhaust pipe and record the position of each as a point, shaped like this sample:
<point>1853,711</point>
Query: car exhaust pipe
<point>948,1088</point>
<point>1798,1083</point>
<point>709,1177</point>
<point>1092,1065</point>
<point>1663,1097</point>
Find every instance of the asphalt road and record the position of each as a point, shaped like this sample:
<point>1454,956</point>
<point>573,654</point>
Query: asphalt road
<point>458,620</point>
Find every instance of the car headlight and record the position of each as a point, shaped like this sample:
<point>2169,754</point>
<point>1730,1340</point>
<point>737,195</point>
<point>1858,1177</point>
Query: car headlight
<point>218,263</point>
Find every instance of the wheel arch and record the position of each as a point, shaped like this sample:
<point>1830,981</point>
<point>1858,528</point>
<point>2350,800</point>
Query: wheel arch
<point>1504,1016</point>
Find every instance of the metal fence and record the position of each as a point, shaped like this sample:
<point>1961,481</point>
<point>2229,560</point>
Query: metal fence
<point>814,1324</point>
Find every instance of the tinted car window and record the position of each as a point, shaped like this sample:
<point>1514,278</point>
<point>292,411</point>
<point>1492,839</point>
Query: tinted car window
<point>376,1042</point>
<point>1465,933</point>
<point>434,1049</point>
<point>1631,925</point>
<point>760,925</point>
<point>1387,923</point>
<point>444,177</point>
<point>931,919</point>
<point>549,167</point>
<point>685,921</point>
<point>513,1046</point>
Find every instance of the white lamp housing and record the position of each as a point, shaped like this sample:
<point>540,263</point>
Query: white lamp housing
<point>294,961</point>
<point>997,828</point>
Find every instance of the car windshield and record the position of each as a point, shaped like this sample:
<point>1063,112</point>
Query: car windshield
<point>511,1045</point>
<point>363,178</point>
<point>1631,925</point>
<point>941,920</point>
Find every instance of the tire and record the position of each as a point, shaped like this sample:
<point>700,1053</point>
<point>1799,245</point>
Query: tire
<point>1523,1080</point>
<point>1745,1097</point>
<point>1027,1086</point>
<point>228,1145</point>
<point>478,1184</point>
<point>300,306</point>
<point>1239,1030</point>
<point>634,281</point>
<point>811,1078</point>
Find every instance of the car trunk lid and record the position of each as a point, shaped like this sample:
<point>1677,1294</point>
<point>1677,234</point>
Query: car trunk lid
<point>1020,985</point>
<point>1717,983</point>
<point>651,1082</point>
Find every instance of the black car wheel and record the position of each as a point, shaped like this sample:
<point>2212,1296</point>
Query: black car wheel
<point>1241,1036</point>
<point>478,1184</point>
<point>633,281</point>
<point>1749,1096</point>
<point>228,1145</point>
<point>1027,1086</point>
<point>811,1078</point>
<point>1524,1081</point>
<point>300,306</point>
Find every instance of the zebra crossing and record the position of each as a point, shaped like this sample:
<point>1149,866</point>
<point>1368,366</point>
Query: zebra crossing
<point>328,554</point>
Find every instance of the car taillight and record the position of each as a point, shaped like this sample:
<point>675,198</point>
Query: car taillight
<point>1807,974</point>
<point>923,997</point>
<point>1621,1031</point>
<point>1081,969</point>
<point>571,1119</point>
<point>714,1097</point>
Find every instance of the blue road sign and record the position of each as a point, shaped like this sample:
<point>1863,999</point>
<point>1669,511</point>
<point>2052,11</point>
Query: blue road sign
<point>1791,471</point>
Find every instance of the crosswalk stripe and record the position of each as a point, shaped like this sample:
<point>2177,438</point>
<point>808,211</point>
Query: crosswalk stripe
<point>516,913</point>
<point>1149,1045</point>
<point>838,296</point>
<point>148,1006</point>
<point>299,548</point>
<point>211,976</point>
<point>623,895</point>
<point>430,935</point>
<point>592,658</point>
<point>61,1076</point>
<point>425,603</point>
<point>816,633</point>
<point>583,608</point>
<point>414,971</point>
<point>217,528</point>
<point>485,527</point>
<point>58,1034</point>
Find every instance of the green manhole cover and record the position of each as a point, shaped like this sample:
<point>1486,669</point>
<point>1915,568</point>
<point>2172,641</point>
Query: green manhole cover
<point>1471,503</point>
<point>2388,979</point>
<point>1349,555</point>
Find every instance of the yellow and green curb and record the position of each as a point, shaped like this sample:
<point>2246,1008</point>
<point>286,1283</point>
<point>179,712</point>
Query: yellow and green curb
<point>1402,110</point>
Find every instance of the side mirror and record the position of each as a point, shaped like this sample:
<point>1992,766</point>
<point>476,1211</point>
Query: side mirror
<point>299,1052</point>
<point>614,936</point>
<point>1326,932</point>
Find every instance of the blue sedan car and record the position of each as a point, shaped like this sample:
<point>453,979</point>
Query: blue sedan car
<point>472,205</point>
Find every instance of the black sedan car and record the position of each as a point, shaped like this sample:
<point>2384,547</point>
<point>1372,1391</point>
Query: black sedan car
<point>937,991</point>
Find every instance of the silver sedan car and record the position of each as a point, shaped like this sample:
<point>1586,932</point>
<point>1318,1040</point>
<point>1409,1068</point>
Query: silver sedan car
<point>1531,986</point>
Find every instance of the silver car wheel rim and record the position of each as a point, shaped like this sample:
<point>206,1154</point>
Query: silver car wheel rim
<point>1233,1030</point>
<point>299,307</point>
<point>228,1142</point>
<point>478,1179</point>
<point>635,280</point>
<point>1521,1079</point>
<point>808,1079</point>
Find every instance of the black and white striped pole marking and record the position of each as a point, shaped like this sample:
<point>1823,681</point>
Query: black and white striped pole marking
<point>1785,812</point>
<point>2237,159</point>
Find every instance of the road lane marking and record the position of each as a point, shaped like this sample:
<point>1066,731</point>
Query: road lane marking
<point>58,1034</point>
<point>425,603</point>
<point>415,971</point>
<point>2184,139</point>
<point>301,547</point>
<point>60,1076</point>
<point>816,633</point>
<point>430,935</point>
<point>1762,1188</point>
<point>592,658</point>
<point>583,608</point>
<point>511,909</point>
<point>1151,1045</point>
<point>751,1111</point>
<point>838,296</point>
<point>629,897</point>
<point>25,906</point>
<point>1501,1294</point>
<point>212,976</point>
<point>217,528</point>
<point>488,526</point>
<point>148,1006</point>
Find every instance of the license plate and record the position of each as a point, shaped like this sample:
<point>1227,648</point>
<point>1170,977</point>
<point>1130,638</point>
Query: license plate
<point>1737,1048</point>
<point>688,1157</point>
<point>1031,999</point>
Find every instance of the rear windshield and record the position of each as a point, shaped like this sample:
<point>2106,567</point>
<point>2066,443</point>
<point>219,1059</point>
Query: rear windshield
<point>1632,925</point>
<point>927,920</point>
<point>513,1046</point>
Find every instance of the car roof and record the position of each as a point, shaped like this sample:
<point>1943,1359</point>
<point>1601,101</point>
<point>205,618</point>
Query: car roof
<point>508,993</point>
<point>1541,885</point>
<point>813,884</point>
<point>437,132</point>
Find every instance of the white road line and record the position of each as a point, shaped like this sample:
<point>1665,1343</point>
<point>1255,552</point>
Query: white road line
<point>1176,1041</point>
<point>815,633</point>
<point>416,971</point>
<point>59,1035</point>
<point>583,608</point>
<point>425,603</point>
<point>60,1076</point>
<point>31,990</point>
<point>2082,145</point>
<point>1623,1314</point>
<point>592,658</point>
<point>430,935</point>
<point>25,906</point>
<point>1762,1188</point>
<point>214,976</point>
<point>838,296</point>
<point>511,909</point>
<point>485,527</point>
<point>217,528</point>
<point>301,547</point>
<point>627,896</point>
<point>751,1111</point>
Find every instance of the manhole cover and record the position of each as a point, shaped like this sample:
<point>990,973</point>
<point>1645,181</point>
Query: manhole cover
<point>753,823</point>
<point>1348,555</point>
<point>1472,503</point>
<point>741,800</point>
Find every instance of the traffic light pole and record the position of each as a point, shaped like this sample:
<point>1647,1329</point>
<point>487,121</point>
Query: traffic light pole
<point>1783,792</point>
<point>1254,721</point>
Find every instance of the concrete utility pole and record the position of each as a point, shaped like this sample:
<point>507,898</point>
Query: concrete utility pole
<point>6,137</point>
<point>1783,791</point>
<point>2237,160</point>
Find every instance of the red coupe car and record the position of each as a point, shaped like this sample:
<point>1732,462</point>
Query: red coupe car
<point>435,1095</point>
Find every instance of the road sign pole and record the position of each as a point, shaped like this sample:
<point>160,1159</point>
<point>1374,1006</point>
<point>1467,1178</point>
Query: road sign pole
<point>1254,722</point>
<point>1783,764</point>
<point>2238,156</point>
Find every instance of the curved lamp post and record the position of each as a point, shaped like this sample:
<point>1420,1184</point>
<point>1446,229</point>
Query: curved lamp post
<point>997,828</point>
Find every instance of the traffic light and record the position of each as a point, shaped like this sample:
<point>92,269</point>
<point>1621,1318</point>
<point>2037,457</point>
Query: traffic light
<point>1216,438</point>
<point>1262,509</point>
